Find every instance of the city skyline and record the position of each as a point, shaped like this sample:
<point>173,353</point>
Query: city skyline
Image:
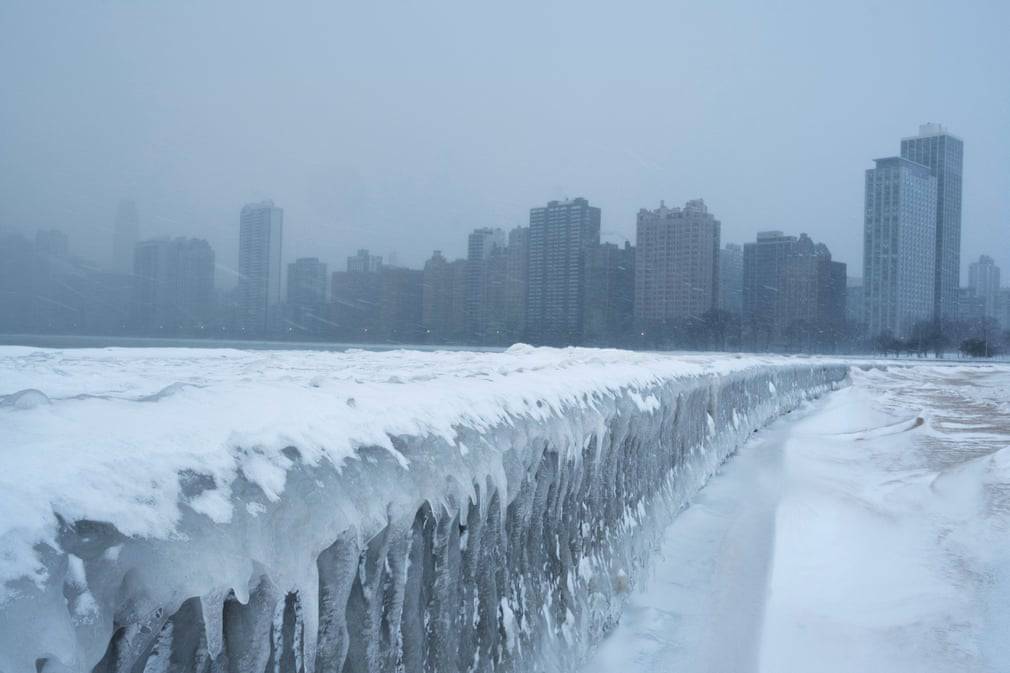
<point>127,227</point>
<point>551,282</point>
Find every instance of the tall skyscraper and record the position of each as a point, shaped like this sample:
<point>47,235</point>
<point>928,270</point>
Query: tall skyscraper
<point>676,264</point>
<point>560,238</point>
<point>943,153</point>
<point>261,228</point>
<point>899,246</point>
<point>125,236</point>
<point>983,280</point>
<point>306,294</point>
<point>731,279</point>
<point>173,286</point>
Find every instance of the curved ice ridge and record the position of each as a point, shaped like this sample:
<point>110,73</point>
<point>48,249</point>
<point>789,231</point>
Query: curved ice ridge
<point>512,555</point>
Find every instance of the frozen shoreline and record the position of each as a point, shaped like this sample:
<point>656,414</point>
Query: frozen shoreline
<point>252,482</point>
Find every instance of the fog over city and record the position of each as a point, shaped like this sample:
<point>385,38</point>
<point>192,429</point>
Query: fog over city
<point>401,127</point>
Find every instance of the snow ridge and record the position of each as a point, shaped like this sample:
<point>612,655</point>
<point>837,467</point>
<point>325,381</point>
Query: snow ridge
<point>399,512</point>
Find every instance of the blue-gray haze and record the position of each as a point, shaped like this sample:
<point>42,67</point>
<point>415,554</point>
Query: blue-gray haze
<point>400,126</point>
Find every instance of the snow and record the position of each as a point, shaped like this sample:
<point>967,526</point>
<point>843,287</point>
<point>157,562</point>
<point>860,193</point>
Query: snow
<point>868,531</point>
<point>254,482</point>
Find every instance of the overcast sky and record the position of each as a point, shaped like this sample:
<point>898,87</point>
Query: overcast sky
<point>404,125</point>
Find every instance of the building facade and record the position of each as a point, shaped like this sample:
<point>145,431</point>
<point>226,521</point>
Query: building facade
<point>364,262</point>
<point>306,295</point>
<point>517,280</point>
<point>794,294</point>
<point>561,235</point>
<point>676,264</point>
<point>173,286</point>
<point>731,279</point>
<point>436,298</point>
<point>485,283</point>
<point>854,301</point>
<point>970,307</point>
<point>261,227</point>
<point>984,283</point>
<point>899,247</point>
<point>610,295</point>
<point>943,154</point>
<point>125,236</point>
<point>400,305</point>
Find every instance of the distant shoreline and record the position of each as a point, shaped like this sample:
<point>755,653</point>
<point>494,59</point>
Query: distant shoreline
<point>81,341</point>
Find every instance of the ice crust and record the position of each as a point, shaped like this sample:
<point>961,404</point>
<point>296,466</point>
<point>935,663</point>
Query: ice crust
<point>216,510</point>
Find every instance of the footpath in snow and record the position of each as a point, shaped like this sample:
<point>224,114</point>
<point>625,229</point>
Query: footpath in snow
<point>868,531</point>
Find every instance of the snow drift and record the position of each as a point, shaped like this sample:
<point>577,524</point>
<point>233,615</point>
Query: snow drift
<point>215,510</point>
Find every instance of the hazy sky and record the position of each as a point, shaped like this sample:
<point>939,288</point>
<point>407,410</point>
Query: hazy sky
<point>403,125</point>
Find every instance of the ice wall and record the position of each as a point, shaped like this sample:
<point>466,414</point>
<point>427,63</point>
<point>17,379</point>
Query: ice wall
<point>510,548</point>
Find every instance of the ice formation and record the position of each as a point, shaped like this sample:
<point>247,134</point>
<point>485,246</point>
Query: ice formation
<point>214,510</point>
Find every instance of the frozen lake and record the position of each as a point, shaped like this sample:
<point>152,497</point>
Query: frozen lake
<point>848,536</point>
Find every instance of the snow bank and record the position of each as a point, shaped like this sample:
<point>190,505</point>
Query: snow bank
<point>241,510</point>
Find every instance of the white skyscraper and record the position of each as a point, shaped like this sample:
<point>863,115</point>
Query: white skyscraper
<point>259,265</point>
<point>899,246</point>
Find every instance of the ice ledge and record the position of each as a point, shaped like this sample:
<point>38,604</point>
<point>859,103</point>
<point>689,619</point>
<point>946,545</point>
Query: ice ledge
<point>233,511</point>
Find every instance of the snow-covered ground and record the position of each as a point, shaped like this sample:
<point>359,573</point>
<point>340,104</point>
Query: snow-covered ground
<point>848,536</point>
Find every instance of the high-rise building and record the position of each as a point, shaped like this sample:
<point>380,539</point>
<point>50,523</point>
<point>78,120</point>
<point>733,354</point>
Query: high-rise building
<point>943,153</point>
<point>306,295</point>
<point>983,280</point>
<point>485,281</point>
<point>57,279</point>
<point>437,299</point>
<point>364,262</point>
<point>125,236</point>
<point>1003,308</point>
<point>731,279</point>
<point>793,293</point>
<point>610,294</point>
<point>400,305</point>
<point>676,264</point>
<point>899,246</point>
<point>261,227</point>
<point>517,280</point>
<point>560,238</point>
<point>173,286</point>
<point>457,306</point>
<point>970,307</point>
<point>16,292</point>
